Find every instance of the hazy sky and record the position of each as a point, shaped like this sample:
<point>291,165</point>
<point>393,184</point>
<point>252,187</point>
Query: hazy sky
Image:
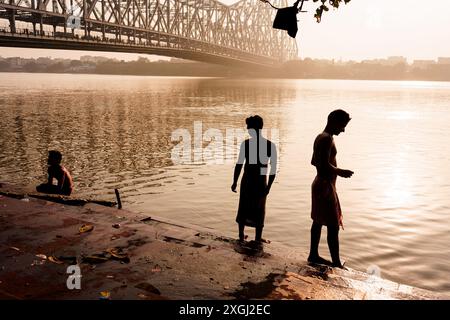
<point>415,29</point>
<point>362,29</point>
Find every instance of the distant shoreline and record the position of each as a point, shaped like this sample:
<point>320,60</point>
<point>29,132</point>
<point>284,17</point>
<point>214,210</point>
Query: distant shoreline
<point>230,76</point>
<point>384,70</point>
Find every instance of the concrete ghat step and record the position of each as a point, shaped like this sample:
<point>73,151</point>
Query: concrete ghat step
<point>167,261</point>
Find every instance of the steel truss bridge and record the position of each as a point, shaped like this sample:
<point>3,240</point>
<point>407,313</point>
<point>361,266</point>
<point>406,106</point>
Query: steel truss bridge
<point>202,30</point>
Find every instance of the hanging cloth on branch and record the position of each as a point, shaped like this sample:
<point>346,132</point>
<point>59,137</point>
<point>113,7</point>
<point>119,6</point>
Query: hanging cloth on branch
<point>286,18</point>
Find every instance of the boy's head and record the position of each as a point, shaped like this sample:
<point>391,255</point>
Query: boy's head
<point>54,157</point>
<point>254,124</point>
<point>338,120</point>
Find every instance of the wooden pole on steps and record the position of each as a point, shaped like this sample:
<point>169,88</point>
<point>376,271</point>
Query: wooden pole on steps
<point>119,203</point>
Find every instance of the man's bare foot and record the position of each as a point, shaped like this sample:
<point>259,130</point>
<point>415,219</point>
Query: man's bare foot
<point>319,260</point>
<point>339,265</point>
<point>242,238</point>
<point>256,244</point>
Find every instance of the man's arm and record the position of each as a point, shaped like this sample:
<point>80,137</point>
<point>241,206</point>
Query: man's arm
<point>238,167</point>
<point>269,185</point>
<point>61,181</point>
<point>50,176</point>
<point>273,166</point>
<point>323,154</point>
<point>237,172</point>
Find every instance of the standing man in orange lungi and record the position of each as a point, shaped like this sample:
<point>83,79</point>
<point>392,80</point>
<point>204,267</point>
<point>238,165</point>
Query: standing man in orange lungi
<point>326,210</point>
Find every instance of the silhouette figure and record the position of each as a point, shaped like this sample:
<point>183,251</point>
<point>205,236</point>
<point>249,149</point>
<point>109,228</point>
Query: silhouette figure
<point>326,210</point>
<point>57,171</point>
<point>255,153</point>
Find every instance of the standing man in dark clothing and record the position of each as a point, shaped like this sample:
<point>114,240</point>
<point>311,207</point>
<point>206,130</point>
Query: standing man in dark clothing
<point>256,153</point>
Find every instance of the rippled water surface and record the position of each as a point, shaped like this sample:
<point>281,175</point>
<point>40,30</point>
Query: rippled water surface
<point>115,132</point>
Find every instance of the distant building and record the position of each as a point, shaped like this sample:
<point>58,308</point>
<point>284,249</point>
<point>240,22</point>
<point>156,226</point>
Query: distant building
<point>45,61</point>
<point>93,59</point>
<point>340,62</point>
<point>443,60</point>
<point>422,64</point>
<point>394,60</point>
<point>324,61</point>
<point>81,69</point>
<point>64,62</point>
<point>372,61</point>
<point>390,61</point>
<point>15,61</point>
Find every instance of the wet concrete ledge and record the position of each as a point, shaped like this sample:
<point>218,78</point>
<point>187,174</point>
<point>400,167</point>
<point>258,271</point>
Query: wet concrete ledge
<point>133,256</point>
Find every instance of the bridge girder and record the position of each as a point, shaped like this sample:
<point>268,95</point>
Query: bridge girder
<point>193,29</point>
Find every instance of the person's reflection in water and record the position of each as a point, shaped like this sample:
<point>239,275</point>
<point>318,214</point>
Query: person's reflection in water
<point>255,153</point>
<point>57,171</point>
<point>326,210</point>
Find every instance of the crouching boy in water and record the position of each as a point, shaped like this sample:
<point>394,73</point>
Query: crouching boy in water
<point>326,210</point>
<point>57,171</point>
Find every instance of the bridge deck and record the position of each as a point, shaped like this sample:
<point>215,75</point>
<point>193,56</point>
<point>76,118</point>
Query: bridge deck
<point>202,30</point>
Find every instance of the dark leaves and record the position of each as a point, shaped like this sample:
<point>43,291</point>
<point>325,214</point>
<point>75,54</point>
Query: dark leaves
<point>324,7</point>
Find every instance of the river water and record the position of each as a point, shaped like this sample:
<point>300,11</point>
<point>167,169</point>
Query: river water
<point>122,132</point>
